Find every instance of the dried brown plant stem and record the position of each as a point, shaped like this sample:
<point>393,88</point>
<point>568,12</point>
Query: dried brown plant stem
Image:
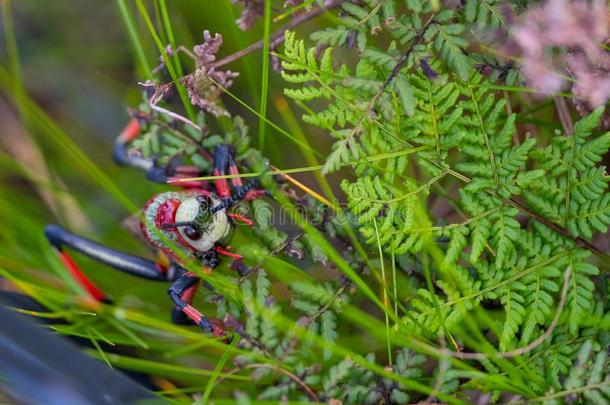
<point>274,252</point>
<point>514,203</point>
<point>564,115</point>
<point>277,35</point>
<point>439,378</point>
<point>405,56</point>
<point>399,65</point>
<point>302,385</point>
<point>295,340</point>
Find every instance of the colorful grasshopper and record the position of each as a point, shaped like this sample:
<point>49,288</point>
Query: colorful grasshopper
<point>196,220</point>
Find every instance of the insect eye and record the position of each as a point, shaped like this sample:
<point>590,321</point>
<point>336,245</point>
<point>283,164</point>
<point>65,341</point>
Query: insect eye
<point>192,233</point>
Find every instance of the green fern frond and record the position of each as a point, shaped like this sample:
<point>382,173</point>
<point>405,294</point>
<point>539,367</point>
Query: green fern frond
<point>483,13</point>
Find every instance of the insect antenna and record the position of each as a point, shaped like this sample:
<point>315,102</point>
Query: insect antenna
<point>238,196</point>
<point>178,224</point>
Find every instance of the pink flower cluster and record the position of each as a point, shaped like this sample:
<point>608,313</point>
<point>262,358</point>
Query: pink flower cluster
<point>562,43</point>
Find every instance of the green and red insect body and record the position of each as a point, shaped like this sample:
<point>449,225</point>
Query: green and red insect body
<point>185,219</point>
<point>195,220</point>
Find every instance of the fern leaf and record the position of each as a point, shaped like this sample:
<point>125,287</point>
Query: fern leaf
<point>451,45</point>
<point>328,331</point>
<point>514,305</point>
<point>580,294</point>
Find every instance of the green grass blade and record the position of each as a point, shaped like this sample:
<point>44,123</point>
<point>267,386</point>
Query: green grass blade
<point>265,76</point>
<point>170,36</point>
<point>161,369</point>
<point>168,63</point>
<point>12,51</point>
<point>385,292</point>
<point>217,371</point>
<point>143,64</point>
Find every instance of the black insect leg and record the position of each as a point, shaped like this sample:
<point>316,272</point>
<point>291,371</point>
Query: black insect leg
<point>123,158</point>
<point>224,163</point>
<point>158,174</point>
<point>181,295</point>
<point>137,266</point>
<point>222,157</point>
<point>178,316</point>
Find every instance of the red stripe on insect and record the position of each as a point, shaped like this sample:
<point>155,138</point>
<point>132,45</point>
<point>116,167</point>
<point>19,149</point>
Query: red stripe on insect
<point>222,186</point>
<point>80,277</point>
<point>242,219</point>
<point>190,170</point>
<point>217,328</point>
<point>166,212</point>
<point>188,295</point>
<point>192,313</point>
<point>225,252</point>
<point>254,194</point>
<point>131,131</point>
<point>234,172</point>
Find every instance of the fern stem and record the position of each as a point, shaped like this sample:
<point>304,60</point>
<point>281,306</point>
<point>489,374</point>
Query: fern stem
<point>564,232</point>
<point>492,157</point>
<point>293,10</point>
<point>394,284</point>
<point>397,68</point>
<point>562,394</point>
<point>414,192</point>
<point>373,11</point>
<point>405,56</point>
<point>509,280</point>
<point>453,226</point>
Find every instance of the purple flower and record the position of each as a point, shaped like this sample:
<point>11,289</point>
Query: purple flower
<point>253,9</point>
<point>576,28</point>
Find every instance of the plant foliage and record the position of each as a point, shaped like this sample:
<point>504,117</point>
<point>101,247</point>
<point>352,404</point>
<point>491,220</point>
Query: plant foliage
<point>466,263</point>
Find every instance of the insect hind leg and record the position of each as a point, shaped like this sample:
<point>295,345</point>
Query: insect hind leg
<point>181,295</point>
<point>137,266</point>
